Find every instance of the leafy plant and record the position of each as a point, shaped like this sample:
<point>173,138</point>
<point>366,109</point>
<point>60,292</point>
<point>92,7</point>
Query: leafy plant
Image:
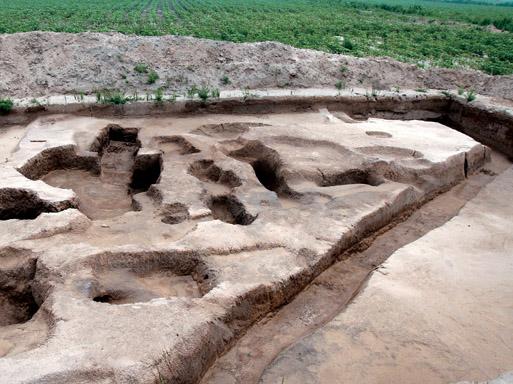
<point>192,91</point>
<point>421,90</point>
<point>141,68</point>
<point>348,44</point>
<point>152,77</point>
<point>203,93</point>
<point>470,95</point>
<point>6,106</point>
<point>340,85</point>
<point>225,80</point>
<point>159,96</point>
<point>111,97</point>
<point>215,93</point>
<point>247,94</point>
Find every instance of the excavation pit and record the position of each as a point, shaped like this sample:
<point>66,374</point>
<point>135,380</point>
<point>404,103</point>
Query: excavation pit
<point>263,202</point>
<point>105,190</point>
<point>126,287</point>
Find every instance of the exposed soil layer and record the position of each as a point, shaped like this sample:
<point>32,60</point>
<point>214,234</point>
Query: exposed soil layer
<point>330,293</point>
<point>435,311</point>
<point>43,63</point>
<point>17,269</point>
<point>233,215</point>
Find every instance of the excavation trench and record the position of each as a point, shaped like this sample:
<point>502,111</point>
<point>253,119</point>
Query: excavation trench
<point>194,187</point>
<point>330,292</point>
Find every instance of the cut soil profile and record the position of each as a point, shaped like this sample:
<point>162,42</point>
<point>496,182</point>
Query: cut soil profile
<point>161,239</point>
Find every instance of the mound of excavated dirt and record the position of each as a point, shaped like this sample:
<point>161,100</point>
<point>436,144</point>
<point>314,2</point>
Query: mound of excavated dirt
<point>39,64</point>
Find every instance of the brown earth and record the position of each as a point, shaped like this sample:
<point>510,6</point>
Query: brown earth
<point>232,216</point>
<point>329,294</point>
<point>46,63</point>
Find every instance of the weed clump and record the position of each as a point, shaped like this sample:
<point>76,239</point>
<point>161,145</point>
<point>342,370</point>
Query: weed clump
<point>6,106</point>
<point>111,97</point>
<point>159,96</point>
<point>152,77</point>
<point>225,80</point>
<point>141,68</point>
<point>203,93</point>
<point>470,95</point>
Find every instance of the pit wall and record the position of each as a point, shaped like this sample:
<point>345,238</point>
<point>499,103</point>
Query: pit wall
<point>485,121</point>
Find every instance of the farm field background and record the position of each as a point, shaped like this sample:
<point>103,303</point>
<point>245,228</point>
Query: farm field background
<point>474,34</point>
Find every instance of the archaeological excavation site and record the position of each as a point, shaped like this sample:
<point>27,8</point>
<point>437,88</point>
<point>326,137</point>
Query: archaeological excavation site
<point>290,235</point>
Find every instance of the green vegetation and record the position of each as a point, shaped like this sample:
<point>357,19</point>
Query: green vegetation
<point>339,85</point>
<point>159,96</point>
<point>141,68</point>
<point>111,97</point>
<point>152,77</point>
<point>470,95</point>
<point>6,106</point>
<point>449,33</point>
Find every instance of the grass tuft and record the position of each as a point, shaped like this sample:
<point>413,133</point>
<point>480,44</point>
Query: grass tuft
<point>152,77</point>
<point>6,106</point>
<point>141,68</point>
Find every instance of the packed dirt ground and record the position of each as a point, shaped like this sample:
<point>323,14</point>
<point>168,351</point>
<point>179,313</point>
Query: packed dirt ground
<point>44,63</point>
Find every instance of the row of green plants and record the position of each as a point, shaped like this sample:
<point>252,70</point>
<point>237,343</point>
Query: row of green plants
<point>202,93</point>
<point>116,97</point>
<point>422,32</point>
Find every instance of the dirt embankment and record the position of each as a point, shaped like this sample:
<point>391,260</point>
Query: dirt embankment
<point>45,63</point>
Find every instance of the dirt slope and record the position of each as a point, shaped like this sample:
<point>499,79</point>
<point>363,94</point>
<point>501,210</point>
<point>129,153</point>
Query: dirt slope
<point>45,63</point>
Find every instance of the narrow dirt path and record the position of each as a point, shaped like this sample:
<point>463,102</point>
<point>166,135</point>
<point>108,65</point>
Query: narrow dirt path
<point>331,291</point>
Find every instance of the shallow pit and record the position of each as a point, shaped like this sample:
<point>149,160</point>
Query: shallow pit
<point>174,144</point>
<point>351,176</point>
<point>226,130</point>
<point>229,209</point>
<point>124,286</point>
<point>267,165</point>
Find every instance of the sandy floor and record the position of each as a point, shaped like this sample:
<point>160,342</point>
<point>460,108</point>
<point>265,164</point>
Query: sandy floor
<point>438,311</point>
<point>329,294</point>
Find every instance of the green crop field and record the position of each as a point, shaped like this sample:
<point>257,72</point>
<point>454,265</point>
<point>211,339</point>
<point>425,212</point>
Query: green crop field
<point>452,33</point>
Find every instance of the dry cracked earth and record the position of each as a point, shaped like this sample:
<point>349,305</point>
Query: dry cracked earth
<point>138,250</point>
